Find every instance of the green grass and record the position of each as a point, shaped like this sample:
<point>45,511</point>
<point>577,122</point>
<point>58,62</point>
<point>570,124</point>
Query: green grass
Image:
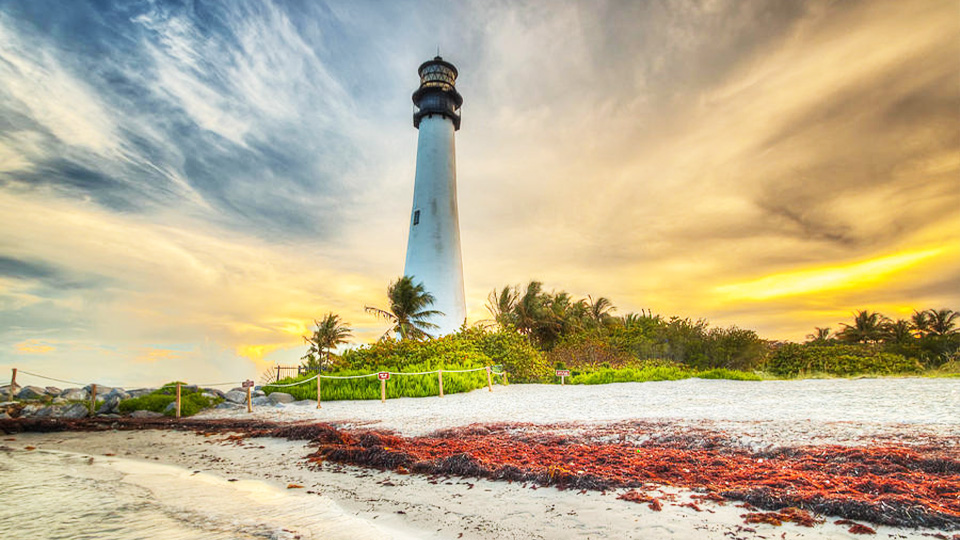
<point>157,401</point>
<point>397,386</point>
<point>655,373</point>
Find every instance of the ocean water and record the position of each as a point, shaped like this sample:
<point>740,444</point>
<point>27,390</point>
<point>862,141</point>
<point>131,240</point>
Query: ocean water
<point>60,495</point>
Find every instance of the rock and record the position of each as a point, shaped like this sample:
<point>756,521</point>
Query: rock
<point>145,414</point>
<point>30,409</point>
<point>259,393</point>
<point>58,401</point>
<point>5,390</point>
<point>76,410</point>
<point>52,391</point>
<point>306,403</point>
<point>31,392</point>
<point>110,404</point>
<point>261,401</point>
<point>139,392</point>
<point>238,389</point>
<point>75,394</point>
<point>228,405</point>
<point>236,396</point>
<point>281,397</point>
<point>189,388</point>
<point>218,393</point>
<point>117,393</point>
<point>43,412</point>
<point>101,390</point>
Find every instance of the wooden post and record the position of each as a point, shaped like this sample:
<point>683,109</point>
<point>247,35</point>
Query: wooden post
<point>178,401</point>
<point>13,383</point>
<point>383,390</point>
<point>440,379</point>
<point>249,401</point>
<point>318,389</point>
<point>278,373</point>
<point>93,398</point>
<point>489,380</point>
<point>561,380</point>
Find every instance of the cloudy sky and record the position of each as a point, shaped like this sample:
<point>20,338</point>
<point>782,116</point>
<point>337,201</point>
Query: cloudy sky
<point>185,185</point>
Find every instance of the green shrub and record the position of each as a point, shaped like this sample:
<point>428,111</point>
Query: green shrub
<point>397,386</point>
<point>660,371</point>
<point>792,360</point>
<point>191,401</point>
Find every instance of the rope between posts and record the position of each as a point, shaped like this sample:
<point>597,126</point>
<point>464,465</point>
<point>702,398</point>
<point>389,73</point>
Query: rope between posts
<point>347,376</point>
<point>298,383</point>
<point>49,378</point>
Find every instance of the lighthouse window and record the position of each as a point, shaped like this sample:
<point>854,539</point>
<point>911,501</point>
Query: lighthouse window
<point>416,217</point>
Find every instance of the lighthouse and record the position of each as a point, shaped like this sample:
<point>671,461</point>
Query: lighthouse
<point>433,245</point>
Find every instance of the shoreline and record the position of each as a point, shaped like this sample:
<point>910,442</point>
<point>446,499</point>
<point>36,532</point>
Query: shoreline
<point>424,507</point>
<point>325,458</point>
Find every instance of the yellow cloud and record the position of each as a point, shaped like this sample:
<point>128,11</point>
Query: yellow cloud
<point>34,346</point>
<point>855,275</point>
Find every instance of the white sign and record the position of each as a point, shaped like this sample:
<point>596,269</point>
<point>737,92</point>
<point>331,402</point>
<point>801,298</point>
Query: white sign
<point>383,376</point>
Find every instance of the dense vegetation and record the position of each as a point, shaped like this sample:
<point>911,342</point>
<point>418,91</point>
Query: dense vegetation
<point>192,401</point>
<point>532,332</point>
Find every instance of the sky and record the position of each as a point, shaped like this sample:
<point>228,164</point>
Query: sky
<point>185,186</point>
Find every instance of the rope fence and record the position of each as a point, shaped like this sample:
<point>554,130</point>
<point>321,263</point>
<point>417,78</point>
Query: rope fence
<point>248,384</point>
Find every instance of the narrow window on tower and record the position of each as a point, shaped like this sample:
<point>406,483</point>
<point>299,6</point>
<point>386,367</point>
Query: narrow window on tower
<point>416,217</point>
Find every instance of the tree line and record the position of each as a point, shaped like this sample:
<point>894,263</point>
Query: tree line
<point>587,333</point>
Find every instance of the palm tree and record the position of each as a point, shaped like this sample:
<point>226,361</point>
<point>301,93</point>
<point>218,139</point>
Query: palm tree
<point>408,310</point>
<point>502,304</point>
<point>331,331</point>
<point>920,321</point>
<point>819,335</point>
<point>897,331</point>
<point>600,310</point>
<point>867,328</point>
<point>528,310</point>
<point>942,321</point>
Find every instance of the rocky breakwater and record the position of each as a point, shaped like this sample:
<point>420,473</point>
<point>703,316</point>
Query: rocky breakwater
<point>53,402</point>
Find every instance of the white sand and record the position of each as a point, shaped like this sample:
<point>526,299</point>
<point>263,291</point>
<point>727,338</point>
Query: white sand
<point>411,507</point>
<point>757,414</point>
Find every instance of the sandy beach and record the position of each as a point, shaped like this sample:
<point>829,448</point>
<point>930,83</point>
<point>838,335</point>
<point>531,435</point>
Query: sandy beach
<point>397,504</point>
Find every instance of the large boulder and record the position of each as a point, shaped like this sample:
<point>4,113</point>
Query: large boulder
<point>229,405</point>
<point>101,390</point>
<point>31,392</point>
<point>259,393</point>
<point>30,409</point>
<point>236,396</point>
<point>5,391</point>
<point>261,401</point>
<point>116,393</point>
<point>110,404</point>
<point>75,394</point>
<point>75,410</point>
<point>281,397</point>
<point>218,393</point>
<point>52,391</point>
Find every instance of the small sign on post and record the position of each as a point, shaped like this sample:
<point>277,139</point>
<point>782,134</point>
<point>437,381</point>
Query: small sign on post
<point>248,384</point>
<point>384,376</point>
<point>563,373</point>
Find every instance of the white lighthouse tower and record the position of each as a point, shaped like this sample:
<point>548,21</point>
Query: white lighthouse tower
<point>433,245</point>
